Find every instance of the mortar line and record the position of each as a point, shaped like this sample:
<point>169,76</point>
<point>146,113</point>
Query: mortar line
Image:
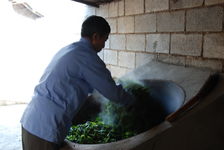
<point>169,5</point>
<point>222,65</point>
<point>185,21</point>
<point>202,44</point>
<point>167,32</point>
<point>170,43</point>
<point>145,42</point>
<point>156,21</point>
<point>135,61</point>
<point>117,57</point>
<point>223,20</point>
<point>177,9</point>
<point>144,7</point>
<point>124,7</point>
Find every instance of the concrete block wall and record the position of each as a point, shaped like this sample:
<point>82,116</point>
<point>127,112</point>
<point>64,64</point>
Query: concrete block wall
<point>181,32</point>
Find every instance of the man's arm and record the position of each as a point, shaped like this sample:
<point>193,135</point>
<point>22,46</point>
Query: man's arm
<point>99,77</point>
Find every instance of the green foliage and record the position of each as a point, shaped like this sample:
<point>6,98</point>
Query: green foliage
<point>93,132</point>
<point>134,118</point>
<point>116,122</point>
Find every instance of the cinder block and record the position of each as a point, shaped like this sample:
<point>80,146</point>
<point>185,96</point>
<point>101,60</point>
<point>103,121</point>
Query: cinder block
<point>213,2</point>
<point>121,8</point>
<point>156,5</point>
<point>134,7</point>
<point>108,67</point>
<point>215,65</point>
<point>170,21</point>
<point>136,42</point>
<point>126,59</point>
<point>90,11</point>
<point>205,19</point>
<point>126,24</point>
<point>186,44</point>
<point>178,4</point>
<point>113,9</point>
<point>101,54</point>
<point>113,24</point>
<point>103,10</point>
<point>107,43</point>
<point>145,23</point>
<point>118,72</point>
<point>143,58</point>
<point>110,57</point>
<point>158,43</point>
<point>117,41</point>
<point>214,45</point>
<point>171,59</point>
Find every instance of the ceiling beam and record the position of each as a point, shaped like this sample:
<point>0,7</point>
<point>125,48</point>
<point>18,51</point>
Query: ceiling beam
<point>87,3</point>
<point>94,3</point>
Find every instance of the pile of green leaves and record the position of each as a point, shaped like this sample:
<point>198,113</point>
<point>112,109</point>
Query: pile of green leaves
<point>95,132</point>
<point>135,118</point>
<point>116,122</point>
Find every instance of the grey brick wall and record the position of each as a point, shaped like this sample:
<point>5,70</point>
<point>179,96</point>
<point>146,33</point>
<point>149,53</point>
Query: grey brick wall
<point>110,57</point>
<point>136,42</point>
<point>158,43</point>
<point>113,24</point>
<point>214,45</point>
<point>90,11</point>
<point>178,4</point>
<point>156,5</point>
<point>145,23</point>
<point>134,7</point>
<point>172,59</point>
<point>126,59</point>
<point>186,44</point>
<point>103,10</point>
<point>205,63</point>
<point>121,8</point>
<point>126,24</point>
<point>107,43</point>
<point>113,9</point>
<point>205,19</point>
<point>142,58</point>
<point>170,21</point>
<point>212,2</point>
<point>117,41</point>
<point>117,71</point>
<point>181,32</point>
<point>101,54</point>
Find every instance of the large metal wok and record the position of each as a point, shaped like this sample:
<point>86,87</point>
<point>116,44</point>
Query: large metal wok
<point>166,97</point>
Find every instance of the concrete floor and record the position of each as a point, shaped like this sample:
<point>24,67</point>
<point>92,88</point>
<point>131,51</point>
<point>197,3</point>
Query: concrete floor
<point>10,128</point>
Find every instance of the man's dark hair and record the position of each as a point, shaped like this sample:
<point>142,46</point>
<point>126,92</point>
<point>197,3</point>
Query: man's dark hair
<point>95,24</point>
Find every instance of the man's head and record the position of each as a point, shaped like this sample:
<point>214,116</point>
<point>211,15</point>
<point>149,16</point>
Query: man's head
<point>96,29</point>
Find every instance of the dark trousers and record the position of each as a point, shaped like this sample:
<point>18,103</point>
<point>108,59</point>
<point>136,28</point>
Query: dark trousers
<point>32,142</point>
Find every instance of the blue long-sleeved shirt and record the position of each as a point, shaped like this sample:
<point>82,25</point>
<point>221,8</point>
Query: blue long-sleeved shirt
<point>72,74</point>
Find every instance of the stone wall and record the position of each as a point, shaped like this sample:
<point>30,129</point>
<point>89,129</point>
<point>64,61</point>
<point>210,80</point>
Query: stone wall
<point>182,32</point>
